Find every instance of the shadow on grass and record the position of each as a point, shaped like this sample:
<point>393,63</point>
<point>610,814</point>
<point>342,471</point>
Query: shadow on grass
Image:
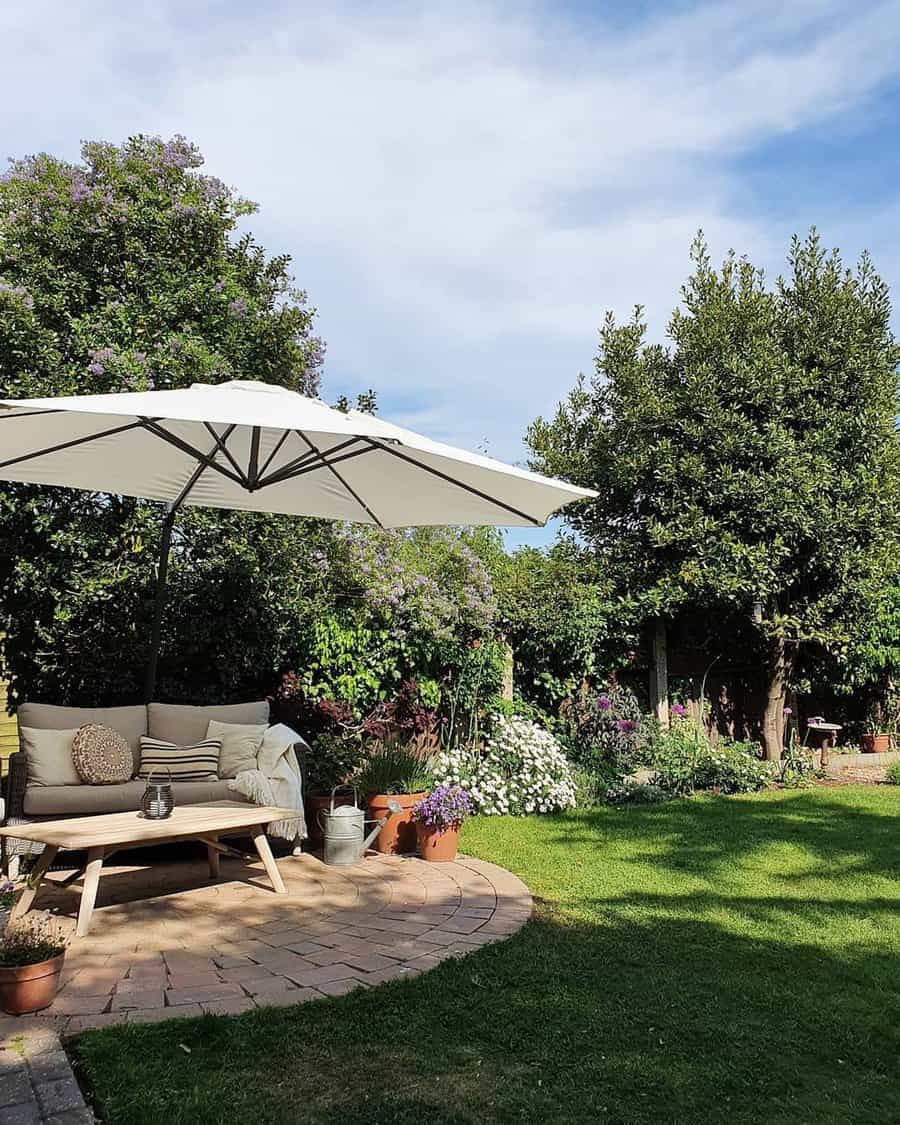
<point>707,834</point>
<point>654,1020</point>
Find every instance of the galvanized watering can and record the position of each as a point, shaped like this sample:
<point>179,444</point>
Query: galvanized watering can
<point>344,829</point>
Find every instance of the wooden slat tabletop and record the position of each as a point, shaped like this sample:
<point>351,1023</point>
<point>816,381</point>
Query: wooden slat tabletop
<point>108,829</point>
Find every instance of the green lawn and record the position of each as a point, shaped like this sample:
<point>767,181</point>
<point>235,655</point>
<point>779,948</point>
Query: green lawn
<point>713,960</point>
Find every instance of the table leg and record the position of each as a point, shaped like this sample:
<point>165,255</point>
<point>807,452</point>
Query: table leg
<point>212,855</point>
<point>265,854</point>
<point>89,890</point>
<point>26,898</point>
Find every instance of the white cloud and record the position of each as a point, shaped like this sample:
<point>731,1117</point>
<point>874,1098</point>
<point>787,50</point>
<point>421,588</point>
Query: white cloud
<point>465,188</point>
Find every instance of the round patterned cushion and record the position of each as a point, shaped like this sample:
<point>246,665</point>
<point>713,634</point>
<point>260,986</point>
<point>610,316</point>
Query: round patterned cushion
<point>101,755</point>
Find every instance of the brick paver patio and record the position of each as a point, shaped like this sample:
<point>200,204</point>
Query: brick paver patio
<point>168,941</point>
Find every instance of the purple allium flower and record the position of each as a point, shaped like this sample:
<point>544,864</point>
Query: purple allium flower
<point>604,703</point>
<point>626,726</point>
<point>789,710</point>
<point>679,710</point>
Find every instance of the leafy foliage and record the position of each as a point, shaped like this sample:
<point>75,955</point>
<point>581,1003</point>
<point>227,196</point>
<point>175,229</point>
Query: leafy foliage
<point>755,460</point>
<point>684,761</point>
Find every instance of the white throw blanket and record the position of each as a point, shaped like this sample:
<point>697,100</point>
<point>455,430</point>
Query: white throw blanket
<point>276,781</point>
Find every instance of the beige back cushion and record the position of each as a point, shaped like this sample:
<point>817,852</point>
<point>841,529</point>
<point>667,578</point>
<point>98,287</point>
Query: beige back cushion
<point>128,721</point>
<point>48,755</point>
<point>175,722</point>
<point>240,745</point>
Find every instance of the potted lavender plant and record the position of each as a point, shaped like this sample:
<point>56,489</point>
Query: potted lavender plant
<point>437,818</point>
<point>31,959</point>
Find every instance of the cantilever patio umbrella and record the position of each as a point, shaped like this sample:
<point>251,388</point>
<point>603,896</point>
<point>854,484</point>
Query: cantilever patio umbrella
<point>261,448</point>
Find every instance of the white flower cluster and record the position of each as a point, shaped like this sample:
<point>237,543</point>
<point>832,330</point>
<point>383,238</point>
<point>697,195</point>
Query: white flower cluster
<point>522,769</point>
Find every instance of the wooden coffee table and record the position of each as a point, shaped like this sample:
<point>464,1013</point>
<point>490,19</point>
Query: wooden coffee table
<point>102,835</point>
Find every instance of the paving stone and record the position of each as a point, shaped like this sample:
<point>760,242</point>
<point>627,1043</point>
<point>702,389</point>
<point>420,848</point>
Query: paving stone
<point>58,1096</point>
<point>245,972</point>
<point>192,980</point>
<point>88,1023</point>
<point>220,991</point>
<point>158,1015</point>
<point>314,977</point>
<point>15,1087</point>
<point>267,986</point>
<point>77,1005</point>
<point>395,972</point>
<point>49,1065</point>
<point>26,1113</point>
<point>369,962</point>
<point>151,998</point>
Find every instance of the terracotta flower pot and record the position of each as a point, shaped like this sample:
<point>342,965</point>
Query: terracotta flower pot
<point>398,836</point>
<point>29,988</point>
<point>438,846</point>
<point>875,743</point>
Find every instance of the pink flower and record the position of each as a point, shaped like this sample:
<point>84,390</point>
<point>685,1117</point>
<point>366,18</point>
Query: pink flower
<point>679,710</point>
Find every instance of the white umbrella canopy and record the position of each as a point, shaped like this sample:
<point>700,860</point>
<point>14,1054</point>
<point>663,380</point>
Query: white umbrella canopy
<point>262,448</point>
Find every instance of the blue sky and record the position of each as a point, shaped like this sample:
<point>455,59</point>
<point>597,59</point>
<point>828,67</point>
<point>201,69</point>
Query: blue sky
<point>465,188</point>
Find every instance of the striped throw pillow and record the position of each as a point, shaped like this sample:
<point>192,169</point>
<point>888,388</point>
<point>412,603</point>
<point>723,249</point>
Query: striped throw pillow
<point>199,762</point>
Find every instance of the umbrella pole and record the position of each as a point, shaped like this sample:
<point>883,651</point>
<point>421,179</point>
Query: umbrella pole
<point>159,604</point>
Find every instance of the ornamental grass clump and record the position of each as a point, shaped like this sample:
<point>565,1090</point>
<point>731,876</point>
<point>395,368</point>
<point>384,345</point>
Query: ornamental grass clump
<point>447,806</point>
<point>521,769</point>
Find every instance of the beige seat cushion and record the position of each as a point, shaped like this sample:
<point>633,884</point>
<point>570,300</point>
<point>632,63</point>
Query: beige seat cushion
<point>84,800</point>
<point>101,755</point>
<point>130,721</point>
<point>175,722</point>
<point>48,756</point>
<point>240,745</point>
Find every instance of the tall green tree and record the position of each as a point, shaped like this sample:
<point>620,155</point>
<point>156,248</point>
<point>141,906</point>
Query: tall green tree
<point>753,461</point>
<point>127,271</point>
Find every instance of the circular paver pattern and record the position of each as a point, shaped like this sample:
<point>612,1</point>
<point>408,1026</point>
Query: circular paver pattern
<point>167,941</point>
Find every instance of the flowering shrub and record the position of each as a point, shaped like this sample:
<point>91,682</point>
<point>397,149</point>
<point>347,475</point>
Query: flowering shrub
<point>447,806</point>
<point>605,727</point>
<point>522,769</point>
<point>685,761</point>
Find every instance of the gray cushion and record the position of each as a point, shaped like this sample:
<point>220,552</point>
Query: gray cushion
<point>83,800</point>
<point>129,721</point>
<point>175,722</point>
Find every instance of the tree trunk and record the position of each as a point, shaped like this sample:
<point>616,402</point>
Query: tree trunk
<point>780,661</point>
<point>659,674</point>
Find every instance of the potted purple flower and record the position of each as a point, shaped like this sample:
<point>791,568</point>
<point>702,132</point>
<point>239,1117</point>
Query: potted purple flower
<point>437,818</point>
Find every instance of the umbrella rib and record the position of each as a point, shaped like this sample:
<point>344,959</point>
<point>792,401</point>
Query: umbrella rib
<point>311,464</point>
<point>289,468</point>
<point>206,462</point>
<point>253,463</point>
<point>359,500</point>
<point>70,444</point>
<point>30,413</point>
<point>185,447</point>
<point>458,483</point>
<point>220,440</point>
<point>268,461</point>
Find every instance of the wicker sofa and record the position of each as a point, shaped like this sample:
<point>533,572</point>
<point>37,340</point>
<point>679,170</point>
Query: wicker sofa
<point>176,723</point>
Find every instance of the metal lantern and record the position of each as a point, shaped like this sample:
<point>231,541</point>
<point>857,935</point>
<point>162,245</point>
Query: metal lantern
<point>158,800</point>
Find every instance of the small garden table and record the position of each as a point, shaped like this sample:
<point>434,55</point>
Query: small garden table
<point>102,835</point>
